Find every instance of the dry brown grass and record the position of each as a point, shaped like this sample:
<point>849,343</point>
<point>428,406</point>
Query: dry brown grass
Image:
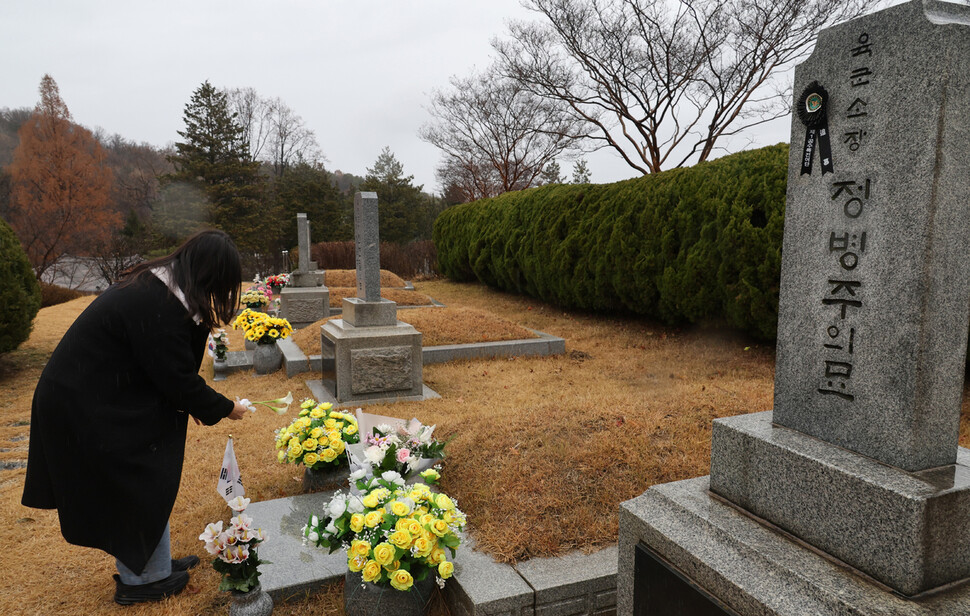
<point>543,449</point>
<point>348,278</point>
<point>437,326</point>
<point>401,296</point>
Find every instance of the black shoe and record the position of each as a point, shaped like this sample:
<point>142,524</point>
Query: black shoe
<point>155,591</point>
<point>185,563</point>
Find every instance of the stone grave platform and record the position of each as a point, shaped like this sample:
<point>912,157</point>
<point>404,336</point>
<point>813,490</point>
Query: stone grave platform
<point>572,585</point>
<point>750,566</point>
<point>295,362</point>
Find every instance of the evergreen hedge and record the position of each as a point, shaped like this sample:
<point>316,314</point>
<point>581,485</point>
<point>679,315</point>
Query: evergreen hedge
<point>19,291</point>
<point>701,244</point>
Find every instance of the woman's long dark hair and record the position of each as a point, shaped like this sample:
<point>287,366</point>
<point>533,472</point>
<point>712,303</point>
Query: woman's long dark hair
<point>207,269</point>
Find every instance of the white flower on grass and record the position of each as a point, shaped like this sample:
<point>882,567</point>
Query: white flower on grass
<point>239,503</point>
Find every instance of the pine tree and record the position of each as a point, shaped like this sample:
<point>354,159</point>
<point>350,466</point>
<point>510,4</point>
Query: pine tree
<point>581,173</point>
<point>59,185</point>
<point>403,208</point>
<point>214,155</point>
<point>550,174</point>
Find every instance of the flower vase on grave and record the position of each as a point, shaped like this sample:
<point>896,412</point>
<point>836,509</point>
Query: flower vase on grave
<point>220,368</point>
<point>267,357</point>
<point>366,599</point>
<point>327,478</point>
<point>252,603</point>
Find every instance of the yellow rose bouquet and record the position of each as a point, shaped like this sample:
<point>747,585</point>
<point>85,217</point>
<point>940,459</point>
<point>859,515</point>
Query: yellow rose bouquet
<point>394,534</point>
<point>318,437</point>
<point>261,328</point>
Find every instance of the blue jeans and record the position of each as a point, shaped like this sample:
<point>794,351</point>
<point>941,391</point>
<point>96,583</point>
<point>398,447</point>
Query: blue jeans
<point>158,567</point>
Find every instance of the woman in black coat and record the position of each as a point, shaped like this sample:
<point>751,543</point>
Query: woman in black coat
<point>109,416</point>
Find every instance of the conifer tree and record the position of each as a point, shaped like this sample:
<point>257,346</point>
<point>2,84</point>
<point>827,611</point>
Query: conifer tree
<point>213,155</point>
<point>60,185</point>
<point>402,206</point>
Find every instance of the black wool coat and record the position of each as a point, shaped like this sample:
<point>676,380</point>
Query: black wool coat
<point>109,416</point>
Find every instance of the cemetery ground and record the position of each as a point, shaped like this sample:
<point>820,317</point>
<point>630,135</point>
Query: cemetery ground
<point>542,450</point>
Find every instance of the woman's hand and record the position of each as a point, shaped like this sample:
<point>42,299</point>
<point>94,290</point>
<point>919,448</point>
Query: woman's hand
<point>238,411</point>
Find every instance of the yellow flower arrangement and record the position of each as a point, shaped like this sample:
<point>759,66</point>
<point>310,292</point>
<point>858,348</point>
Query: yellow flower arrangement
<point>254,298</point>
<point>394,534</point>
<point>318,437</point>
<point>261,328</point>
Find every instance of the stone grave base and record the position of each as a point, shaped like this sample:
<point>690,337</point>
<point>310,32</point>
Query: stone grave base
<point>575,584</point>
<point>373,363</point>
<point>909,531</point>
<point>302,306</point>
<point>736,564</point>
<point>322,391</point>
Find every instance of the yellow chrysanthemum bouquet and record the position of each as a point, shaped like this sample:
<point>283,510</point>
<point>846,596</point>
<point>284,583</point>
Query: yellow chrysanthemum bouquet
<point>256,297</point>
<point>394,534</point>
<point>318,437</point>
<point>261,328</point>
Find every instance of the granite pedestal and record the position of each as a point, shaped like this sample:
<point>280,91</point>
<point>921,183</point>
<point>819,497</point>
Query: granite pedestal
<point>302,306</point>
<point>748,566</point>
<point>373,362</point>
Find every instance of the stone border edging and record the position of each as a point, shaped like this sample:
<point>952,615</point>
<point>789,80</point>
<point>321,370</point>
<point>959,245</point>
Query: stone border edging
<point>573,584</point>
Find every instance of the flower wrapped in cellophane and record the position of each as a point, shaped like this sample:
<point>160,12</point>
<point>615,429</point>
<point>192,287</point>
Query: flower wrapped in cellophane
<point>391,444</point>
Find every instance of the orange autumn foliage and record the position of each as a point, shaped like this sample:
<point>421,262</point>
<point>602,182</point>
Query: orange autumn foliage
<point>60,185</point>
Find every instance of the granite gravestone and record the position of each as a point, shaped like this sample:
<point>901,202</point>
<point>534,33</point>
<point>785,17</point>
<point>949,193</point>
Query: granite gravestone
<point>305,299</point>
<point>859,457</point>
<point>373,355</point>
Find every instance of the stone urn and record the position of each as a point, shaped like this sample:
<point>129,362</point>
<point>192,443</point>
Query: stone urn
<point>365,599</point>
<point>220,369</point>
<point>250,345</point>
<point>252,603</point>
<point>267,358</point>
<point>327,478</point>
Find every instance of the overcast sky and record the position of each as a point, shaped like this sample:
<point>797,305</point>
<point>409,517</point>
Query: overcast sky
<point>359,72</point>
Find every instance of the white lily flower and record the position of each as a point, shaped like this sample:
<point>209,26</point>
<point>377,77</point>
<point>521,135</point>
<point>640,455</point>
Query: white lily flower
<point>355,504</point>
<point>314,521</point>
<point>239,503</point>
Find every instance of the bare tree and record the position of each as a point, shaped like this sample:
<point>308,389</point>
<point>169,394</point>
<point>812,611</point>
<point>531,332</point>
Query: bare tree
<point>290,140</point>
<point>253,114</point>
<point>662,81</point>
<point>496,135</point>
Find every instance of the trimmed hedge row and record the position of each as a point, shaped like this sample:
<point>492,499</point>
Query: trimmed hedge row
<point>19,291</point>
<point>691,245</point>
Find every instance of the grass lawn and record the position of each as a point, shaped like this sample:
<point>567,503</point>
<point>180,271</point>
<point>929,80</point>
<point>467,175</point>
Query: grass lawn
<point>543,449</point>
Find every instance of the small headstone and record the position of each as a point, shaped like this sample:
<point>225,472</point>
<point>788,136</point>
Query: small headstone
<point>367,245</point>
<point>303,239</point>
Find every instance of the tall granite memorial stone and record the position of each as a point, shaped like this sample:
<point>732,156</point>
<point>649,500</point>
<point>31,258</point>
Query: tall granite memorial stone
<point>852,496</point>
<point>374,356</point>
<point>305,299</point>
